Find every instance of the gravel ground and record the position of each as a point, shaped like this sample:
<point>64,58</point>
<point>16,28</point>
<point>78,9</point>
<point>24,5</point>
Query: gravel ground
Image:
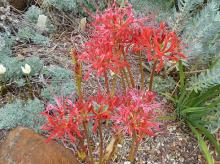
<point>171,146</point>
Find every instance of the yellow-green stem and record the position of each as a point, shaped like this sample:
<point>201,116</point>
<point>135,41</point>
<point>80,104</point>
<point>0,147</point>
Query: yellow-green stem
<point>141,70</point>
<point>113,85</point>
<point>129,73</point>
<point>152,75</point>
<point>101,143</point>
<point>126,77</point>
<point>133,149</point>
<point>29,87</point>
<point>117,138</point>
<point>123,82</point>
<point>131,77</point>
<point>106,82</point>
<point>85,126</point>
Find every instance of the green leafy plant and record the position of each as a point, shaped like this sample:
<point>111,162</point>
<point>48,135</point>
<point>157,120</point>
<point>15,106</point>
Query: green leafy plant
<point>28,34</point>
<point>196,102</point>
<point>33,13</point>
<point>64,5</point>
<point>60,82</point>
<point>21,113</point>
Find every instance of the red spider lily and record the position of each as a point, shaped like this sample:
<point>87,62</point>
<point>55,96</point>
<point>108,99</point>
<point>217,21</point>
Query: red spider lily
<point>136,115</point>
<point>112,34</point>
<point>100,57</point>
<point>63,119</point>
<point>165,46</point>
<point>103,106</point>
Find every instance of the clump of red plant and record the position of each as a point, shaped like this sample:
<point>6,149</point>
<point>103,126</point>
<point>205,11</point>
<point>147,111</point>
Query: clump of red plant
<point>116,35</point>
<point>136,116</point>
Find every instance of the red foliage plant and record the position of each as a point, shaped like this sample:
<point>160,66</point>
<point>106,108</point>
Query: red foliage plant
<point>115,33</point>
<point>112,33</point>
<point>137,114</point>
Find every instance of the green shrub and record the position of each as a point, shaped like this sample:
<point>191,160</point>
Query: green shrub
<point>212,120</point>
<point>28,34</point>
<point>31,16</point>
<point>13,66</point>
<point>195,105</point>
<point>64,5</point>
<point>21,113</point>
<point>60,82</point>
<point>163,85</point>
<point>33,13</point>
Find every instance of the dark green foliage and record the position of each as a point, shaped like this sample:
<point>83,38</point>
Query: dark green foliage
<point>192,106</point>
<point>21,113</point>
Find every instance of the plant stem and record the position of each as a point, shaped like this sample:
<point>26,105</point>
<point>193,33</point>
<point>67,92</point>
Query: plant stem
<point>101,143</point>
<point>88,142</point>
<point>129,73</point>
<point>113,85</point>
<point>126,77</point>
<point>29,87</point>
<point>141,70</point>
<point>115,140</point>
<point>77,68</point>
<point>106,82</point>
<point>152,75</point>
<point>133,149</point>
<point>123,82</point>
<point>131,77</point>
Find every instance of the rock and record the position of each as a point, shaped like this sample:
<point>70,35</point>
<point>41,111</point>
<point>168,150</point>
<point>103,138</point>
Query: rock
<point>19,4</point>
<point>24,146</point>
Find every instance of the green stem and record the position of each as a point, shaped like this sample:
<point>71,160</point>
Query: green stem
<point>131,77</point>
<point>88,142</point>
<point>129,73</point>
<point>113,85</point>
<point>152,75</point>
<point>133,149</point>
<point>106,82</point>
<point>182,77</point>
<point>101,144</point>
<point>116,139</point>
<point>29,87</point>
<point>123,82</point>
<point>126,77</point>
<point>141,70</point>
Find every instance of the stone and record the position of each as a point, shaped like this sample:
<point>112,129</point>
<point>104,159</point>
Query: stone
<point>19,4</point>
<point>41,23</point>
<point>24,146</point>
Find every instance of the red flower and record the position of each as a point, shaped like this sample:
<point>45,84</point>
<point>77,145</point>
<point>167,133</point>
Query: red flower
<point>166,46</point>
<point>103,106</point>
<point>63,119</point>
<point>137,113</point>
<point>112,34</point>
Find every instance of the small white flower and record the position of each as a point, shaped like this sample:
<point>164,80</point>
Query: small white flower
<point>127,162</point>
<point>2,69</point>
<point>26,69</point>
<point>119,145</point>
